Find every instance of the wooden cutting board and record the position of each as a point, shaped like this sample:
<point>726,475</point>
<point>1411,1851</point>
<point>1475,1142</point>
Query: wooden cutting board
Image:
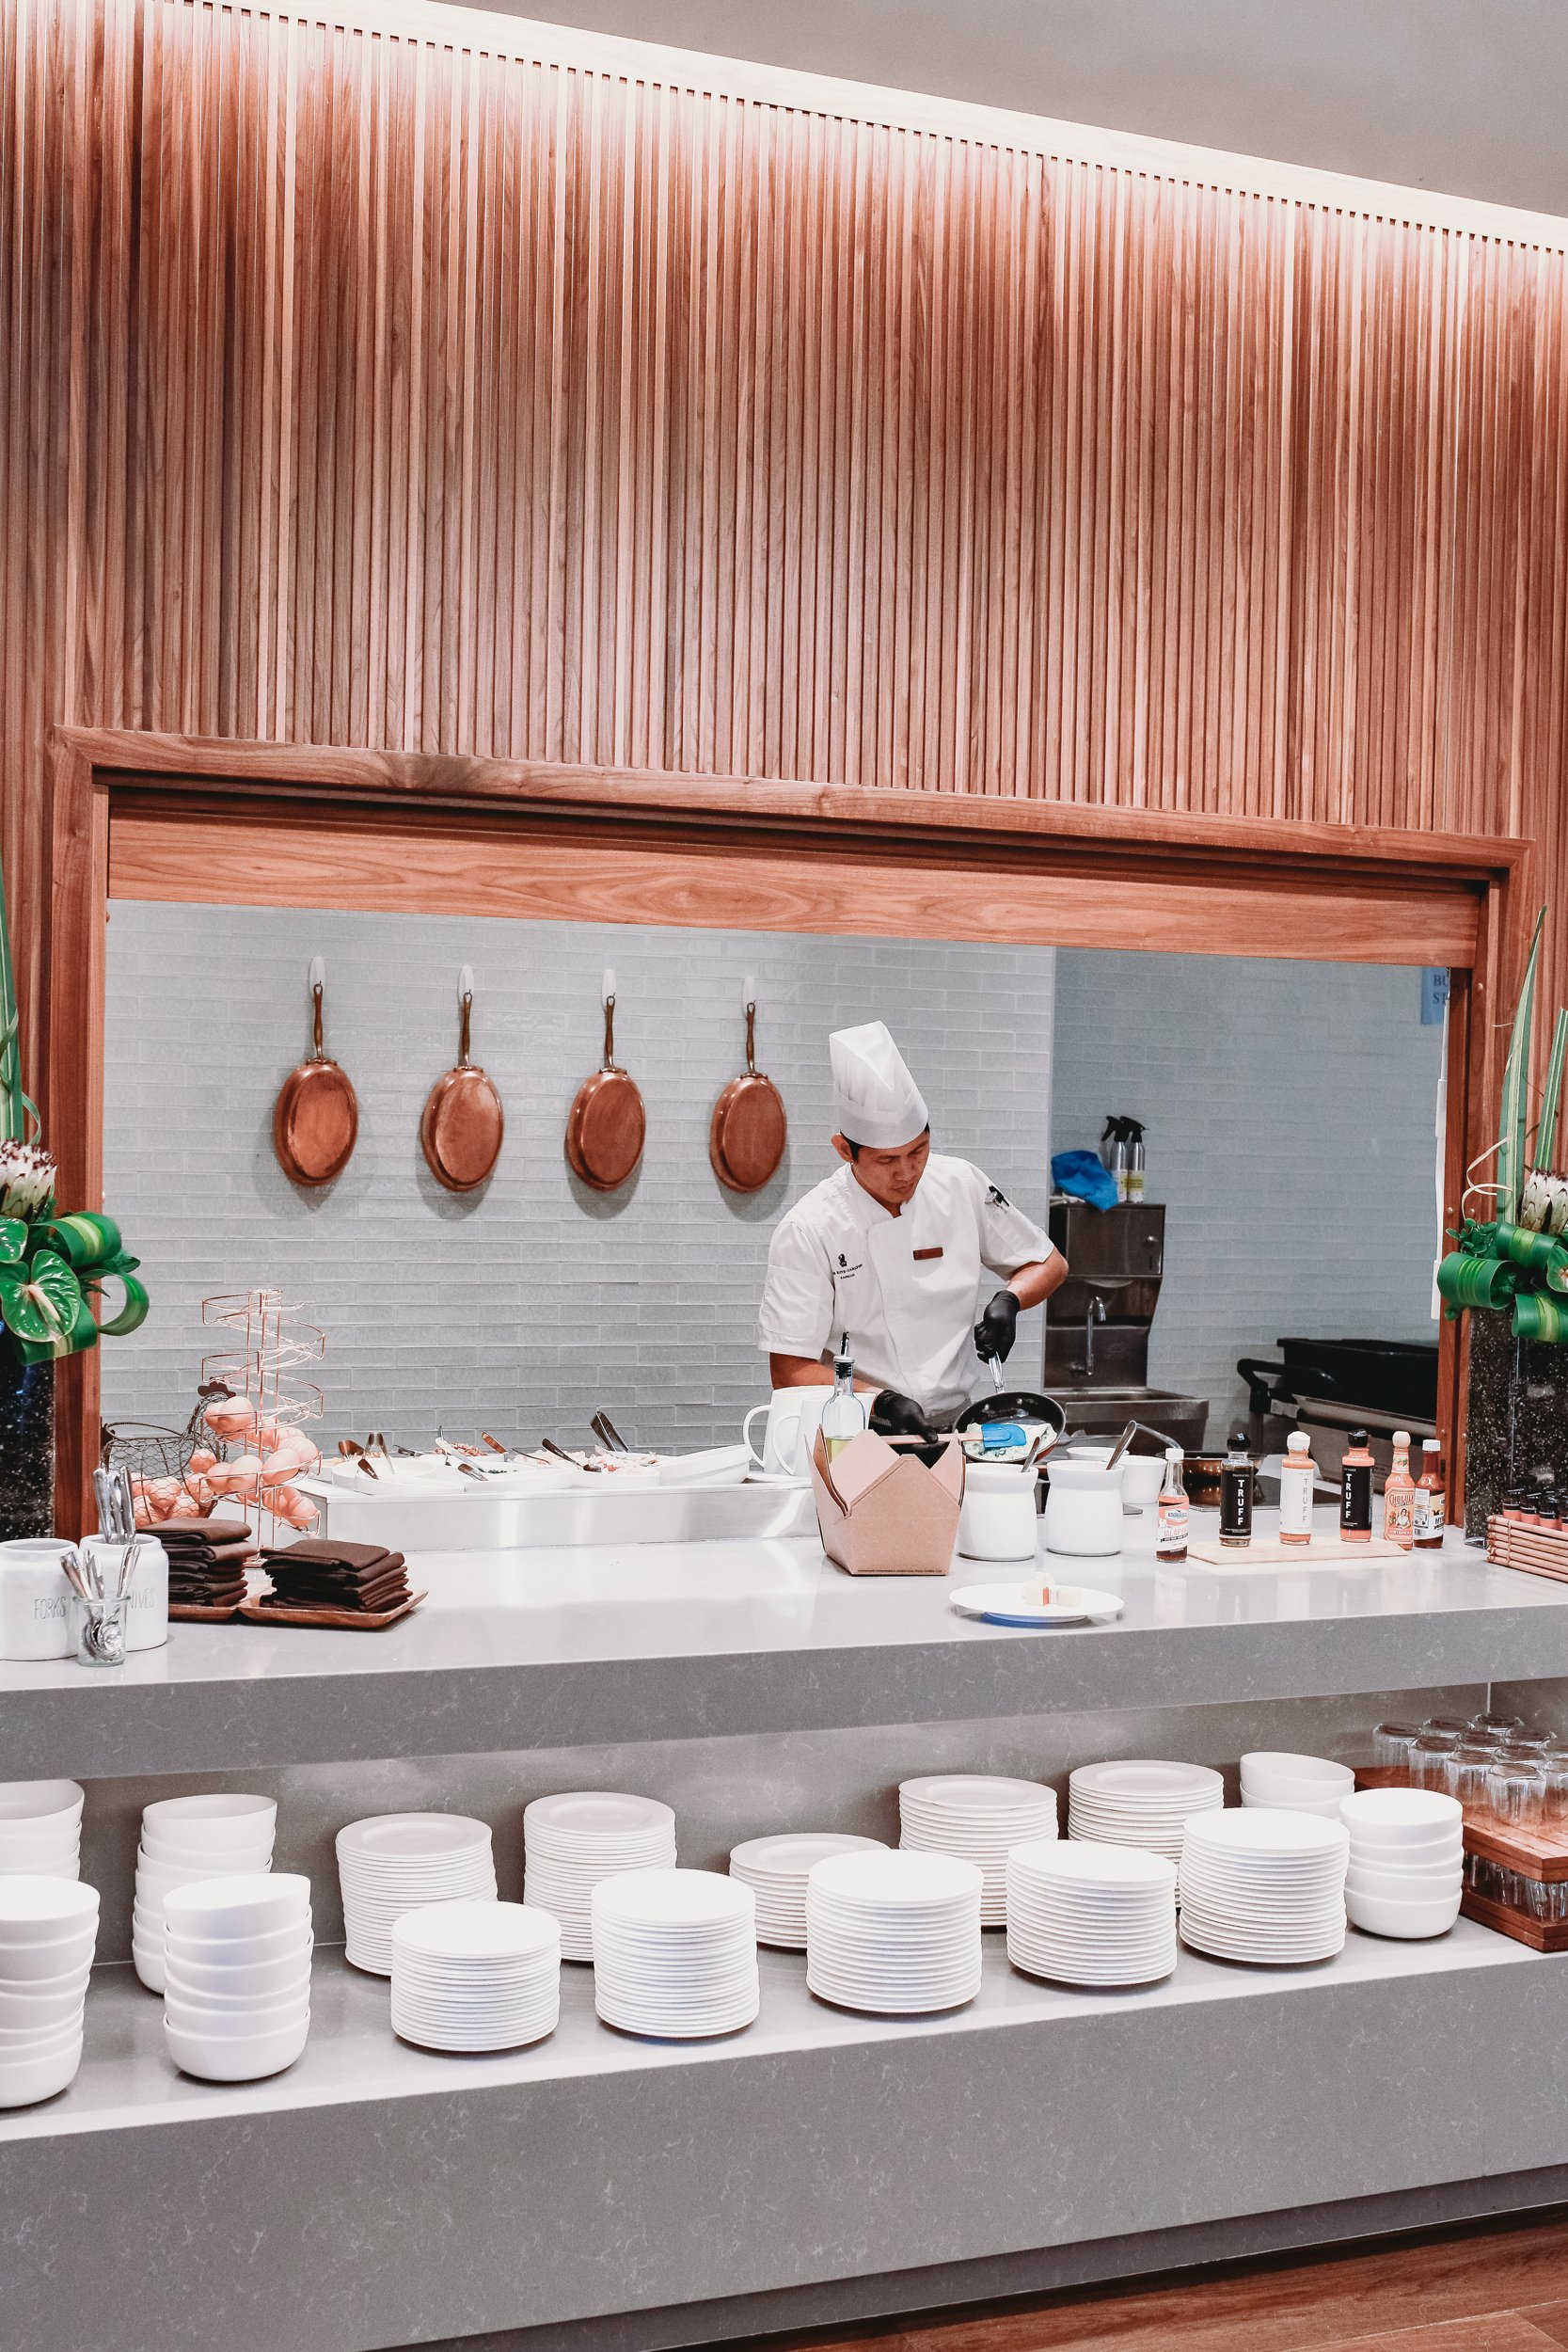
<point>1322,1553</point>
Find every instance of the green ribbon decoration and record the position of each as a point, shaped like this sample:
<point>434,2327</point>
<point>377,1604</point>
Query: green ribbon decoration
<point>1539,1252</point>
<point>1538,1317</point>
<point>90,1244</point>
<point>1464,1281</point>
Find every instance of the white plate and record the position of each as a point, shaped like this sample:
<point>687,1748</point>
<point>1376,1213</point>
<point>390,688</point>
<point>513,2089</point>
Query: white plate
<point>1020,1604</point>
<point>411,1838</point>
<point>563,1824</point>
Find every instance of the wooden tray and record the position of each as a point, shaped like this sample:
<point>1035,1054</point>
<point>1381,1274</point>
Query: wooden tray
<point>338,1620</point>
<point>188,1612</point>
<point>1542,1936</point>
<point>1324,1551</point>
<point>1535,1550</point>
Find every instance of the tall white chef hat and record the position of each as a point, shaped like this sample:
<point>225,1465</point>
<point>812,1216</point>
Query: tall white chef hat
<point>875,1101</point>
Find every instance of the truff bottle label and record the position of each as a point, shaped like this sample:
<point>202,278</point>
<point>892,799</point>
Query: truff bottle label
<point>1356,1499</point>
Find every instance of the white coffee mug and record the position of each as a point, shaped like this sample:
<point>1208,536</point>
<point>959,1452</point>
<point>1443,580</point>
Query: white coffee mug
<point>35,1615</point>
<point>793,1416</point>
<point>147,1602</point>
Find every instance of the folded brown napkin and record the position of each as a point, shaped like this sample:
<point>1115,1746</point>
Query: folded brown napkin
<point>320,1551</point>
<point>201,1532</point>
<point>364,1596</point>
<point>226,1594</point>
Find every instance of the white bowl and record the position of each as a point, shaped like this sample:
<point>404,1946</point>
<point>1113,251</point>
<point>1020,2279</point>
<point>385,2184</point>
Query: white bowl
<point>30,1803</point>
<point>248,2019</point>
<point>25,2081</point>
<point>35,1909</point>
<point>273,1988</point>
<point>36,1963</point>
<point>246,1904</point>
<point>1142,1477</point>
<point>50,2003</point>
<point>242,1978</point>
<point>1399,1813</point>
<point>211,1824</point>
<point>19,2041</point>
<point>243,1852</point>
<point>1406,1886</point>
<point>165,1870</point>
<point>219,2058</point>
<point>229,1951</point>
<point>1411,1922</point>
<point>1435,1856</point>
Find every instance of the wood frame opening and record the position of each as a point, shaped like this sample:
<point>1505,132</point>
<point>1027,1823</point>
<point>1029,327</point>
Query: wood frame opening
<point>209,822</point>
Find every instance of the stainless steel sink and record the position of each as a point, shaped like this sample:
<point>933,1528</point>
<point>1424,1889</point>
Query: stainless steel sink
<point>1106,1411</point>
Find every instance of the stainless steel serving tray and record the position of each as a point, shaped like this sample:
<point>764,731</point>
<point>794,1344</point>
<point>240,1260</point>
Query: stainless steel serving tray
<point>489,1522</point>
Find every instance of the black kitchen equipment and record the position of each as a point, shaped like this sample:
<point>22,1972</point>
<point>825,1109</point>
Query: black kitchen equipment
<point>1097,1324</point>
<point>1395,1379</point>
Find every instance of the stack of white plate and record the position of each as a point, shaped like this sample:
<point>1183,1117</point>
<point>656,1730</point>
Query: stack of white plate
<point>571,1842</point>
<point>475,1975</point>
<point>41,1829</point>
<point>976,1816</point>
<point>48,1927</point>
<point>1265,1886</point>
<point>1406,1872</point>
<point>395,1863</point>
<point>1295,1784</point>
<point>1140,1803</point>
<point>184,1840</point>
<point>1091,1915</point>
<point>675,1953</point>
<point>776,1870</point>
<point>237,2002</point>
<point>895,1934</point>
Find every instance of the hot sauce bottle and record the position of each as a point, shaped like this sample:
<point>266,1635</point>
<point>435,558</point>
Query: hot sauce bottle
<point>1170,1541</point>
<point>1236,1492</point>
<point>1399,1496</point>
<point>1431,1498</point>
<point>1297,1478</point>
<point>1355,1490</point>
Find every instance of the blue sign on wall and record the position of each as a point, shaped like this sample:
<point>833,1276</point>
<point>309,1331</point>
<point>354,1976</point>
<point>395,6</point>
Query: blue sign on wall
<point>1435,996</point>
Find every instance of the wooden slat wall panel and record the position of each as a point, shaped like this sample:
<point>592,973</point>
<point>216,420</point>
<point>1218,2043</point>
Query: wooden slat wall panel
<point>357,388</point>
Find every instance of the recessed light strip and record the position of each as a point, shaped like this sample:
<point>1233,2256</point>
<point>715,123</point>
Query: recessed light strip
<point>491,33</point>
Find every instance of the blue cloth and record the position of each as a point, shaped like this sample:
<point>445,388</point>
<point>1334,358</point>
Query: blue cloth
<point>1080,1172</point>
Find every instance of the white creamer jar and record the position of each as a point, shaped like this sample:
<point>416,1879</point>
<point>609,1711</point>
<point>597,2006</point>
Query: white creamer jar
<point>1083,1510</point>
<point>147,1602</point>
<point>35,1613</point>
<point>998,1520</point>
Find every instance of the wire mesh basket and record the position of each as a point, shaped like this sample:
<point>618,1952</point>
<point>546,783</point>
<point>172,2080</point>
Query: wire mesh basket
<point>148,1451</point>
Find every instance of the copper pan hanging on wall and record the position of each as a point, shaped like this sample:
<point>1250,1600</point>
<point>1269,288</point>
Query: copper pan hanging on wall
<point>461,1130</point>
<point>607,1122</point>
<point>315,1120</point>
<point>749,1131</point>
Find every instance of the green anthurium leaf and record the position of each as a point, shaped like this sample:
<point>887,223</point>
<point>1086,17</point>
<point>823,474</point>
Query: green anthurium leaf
<point>13,1240</point>
<point>42,1303</point>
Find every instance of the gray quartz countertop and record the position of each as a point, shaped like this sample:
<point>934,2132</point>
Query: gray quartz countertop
<point>543,1649</point>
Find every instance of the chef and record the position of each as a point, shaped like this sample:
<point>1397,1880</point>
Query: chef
<point>895,1249</point>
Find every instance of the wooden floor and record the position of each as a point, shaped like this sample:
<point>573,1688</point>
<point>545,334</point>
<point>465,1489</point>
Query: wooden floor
<point>1484,2289</point>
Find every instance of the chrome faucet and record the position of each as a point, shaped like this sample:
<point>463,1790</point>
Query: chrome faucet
<point>1096,1315</point>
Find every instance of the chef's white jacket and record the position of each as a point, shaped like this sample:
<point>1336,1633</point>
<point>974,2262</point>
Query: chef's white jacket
<point>907,1289</point>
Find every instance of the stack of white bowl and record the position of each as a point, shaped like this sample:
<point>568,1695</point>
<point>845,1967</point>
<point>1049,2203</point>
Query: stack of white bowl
<point>897,1934</point>
<point>1295,1784</point>
<point>393,1863</point>
<point>571,1841</point>
<point>184,1840</point>
<point>1139,1801</point>
<point>237,2001</point>
<point>41,1829</point>
<point>776,1870</point>
<point>1262,1886</point>
<point>475,1975</point>
<point>1406,1874</point>
<point>48,1927</point>
<point>976,1816</point>
<point>1091,1915</point>
<point>675,1953</point>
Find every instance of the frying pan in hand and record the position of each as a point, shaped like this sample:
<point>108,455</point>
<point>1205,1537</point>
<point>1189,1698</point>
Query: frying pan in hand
<point>606,1124</point>
<point>746,1139</point>
<point>464,1123</point>
<point>315,1120</point>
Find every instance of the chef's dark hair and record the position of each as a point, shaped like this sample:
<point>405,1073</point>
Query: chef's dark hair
<point>855,1148</point>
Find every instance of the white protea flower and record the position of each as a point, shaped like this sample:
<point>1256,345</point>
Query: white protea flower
<point>1535,1201</point>
<point>26,1179</point>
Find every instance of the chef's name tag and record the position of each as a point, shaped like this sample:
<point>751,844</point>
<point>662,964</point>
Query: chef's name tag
<point>922,1256</point>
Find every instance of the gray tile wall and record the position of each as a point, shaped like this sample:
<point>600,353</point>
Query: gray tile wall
<point>1290,1111</point>
<point>525,1306</point>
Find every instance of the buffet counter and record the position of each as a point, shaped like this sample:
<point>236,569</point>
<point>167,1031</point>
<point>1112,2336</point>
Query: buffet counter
<point>576,1647</point>
<point>830,2166</point>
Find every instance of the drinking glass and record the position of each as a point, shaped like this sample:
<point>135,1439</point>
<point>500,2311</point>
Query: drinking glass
<point>1513,1792</point>
<point>1529,1743</point>
<point>1429,1760</point>
<point>1392,1744</point>
<point>1492,1722</point>
<point>1467,1768</point>
<point>1554,1794</point>
<point>1455,1726</point>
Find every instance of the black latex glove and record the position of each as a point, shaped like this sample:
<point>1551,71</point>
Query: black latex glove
<point>895,1416</point>
<point>997,1328</point>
